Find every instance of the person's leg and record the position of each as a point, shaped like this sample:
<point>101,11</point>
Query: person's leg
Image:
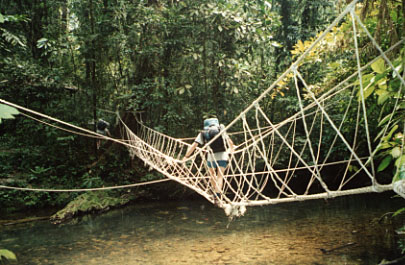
<point>222,165</point>
<point>216,184</point>
<point>213,178</point>
<point>220,178</point>
<point>212,167</point>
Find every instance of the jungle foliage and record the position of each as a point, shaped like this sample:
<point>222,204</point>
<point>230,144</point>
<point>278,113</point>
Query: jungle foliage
<point>173,62</point>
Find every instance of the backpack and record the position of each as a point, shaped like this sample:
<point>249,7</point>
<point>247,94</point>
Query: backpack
<point>208,134</point>
<point>211,132</point>
<point>102,124</point>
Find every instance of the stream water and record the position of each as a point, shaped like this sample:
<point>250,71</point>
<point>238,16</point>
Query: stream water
<point>196,232</point>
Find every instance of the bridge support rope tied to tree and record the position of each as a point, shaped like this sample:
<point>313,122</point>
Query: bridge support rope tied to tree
<point>255,175</point>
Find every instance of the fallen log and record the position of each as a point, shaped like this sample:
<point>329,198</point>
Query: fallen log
<point>25,220</point>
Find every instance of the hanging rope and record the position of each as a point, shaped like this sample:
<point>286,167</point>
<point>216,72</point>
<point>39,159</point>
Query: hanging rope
<point>87,189</point>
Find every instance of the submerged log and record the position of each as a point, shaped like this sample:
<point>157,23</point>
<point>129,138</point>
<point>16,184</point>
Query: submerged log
<point>326,251</point>
<point>89,202</point>
<point>21,221</point>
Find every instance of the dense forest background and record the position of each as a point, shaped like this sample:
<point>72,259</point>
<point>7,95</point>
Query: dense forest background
<point>172,62</point>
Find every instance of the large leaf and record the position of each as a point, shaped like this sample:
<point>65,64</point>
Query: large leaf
<point>7,112</point>
<point>378,66</point>
<point>365,79</point>
<point>389,135</point>
<point>382,97</point>
<point>384,164</point>
<point>368,86</point>
<point>382,83</point>
<point>400,161</point>
<point>384,145</point>
<point>368,91</point>
<point>11,38</point>
<point>7,254</point>
<point>396,152</point>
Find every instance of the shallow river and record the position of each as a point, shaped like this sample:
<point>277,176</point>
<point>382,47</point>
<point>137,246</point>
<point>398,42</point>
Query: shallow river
<point>196,232</point>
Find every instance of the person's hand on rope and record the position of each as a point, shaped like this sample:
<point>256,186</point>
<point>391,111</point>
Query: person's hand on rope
<point>184,160</point>
<point>232,150</point>
<point>172,161</point>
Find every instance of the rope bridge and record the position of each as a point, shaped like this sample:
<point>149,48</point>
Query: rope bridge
<point>258,172</point>
<point>281,160</point>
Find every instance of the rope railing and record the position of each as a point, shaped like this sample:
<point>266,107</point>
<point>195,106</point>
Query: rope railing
<point>85,189</point>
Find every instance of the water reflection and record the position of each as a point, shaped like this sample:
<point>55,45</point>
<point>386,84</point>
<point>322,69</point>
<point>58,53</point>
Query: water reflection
<point>196,233</point>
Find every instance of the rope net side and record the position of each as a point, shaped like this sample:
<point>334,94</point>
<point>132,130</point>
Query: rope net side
<point>288,159</point>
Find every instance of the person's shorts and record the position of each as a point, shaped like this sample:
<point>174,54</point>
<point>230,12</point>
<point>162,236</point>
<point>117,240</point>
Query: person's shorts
<point>215,164</point>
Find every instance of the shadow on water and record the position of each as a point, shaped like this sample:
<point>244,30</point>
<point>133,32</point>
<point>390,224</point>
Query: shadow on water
<point>195,232</point>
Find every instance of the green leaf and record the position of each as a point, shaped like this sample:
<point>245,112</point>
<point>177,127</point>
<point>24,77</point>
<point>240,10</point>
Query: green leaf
<point>385,119</point>
<point>384,164</point>
<point>384,145</point>
<point>382,97</point>
<point>378,66</point>
<point>7,112</point>
<point>389,135</point>
<point>365,78</point>
<point>276,44</point>
<point>181,90</point>
<point>382,83</point>
<point>353,168</point>
<point>42,40</point>
<point>396,152</point>
<point>368,85</point>
<point>11,38</point>
<point>368,91</point>
<point>400,161</point>
<point>2,18</point>
<point>398,212</point>
<point>7,254</point>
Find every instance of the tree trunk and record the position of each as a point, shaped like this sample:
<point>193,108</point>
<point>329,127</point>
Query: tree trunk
<point>205,68</point>
<point>93,69</point>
